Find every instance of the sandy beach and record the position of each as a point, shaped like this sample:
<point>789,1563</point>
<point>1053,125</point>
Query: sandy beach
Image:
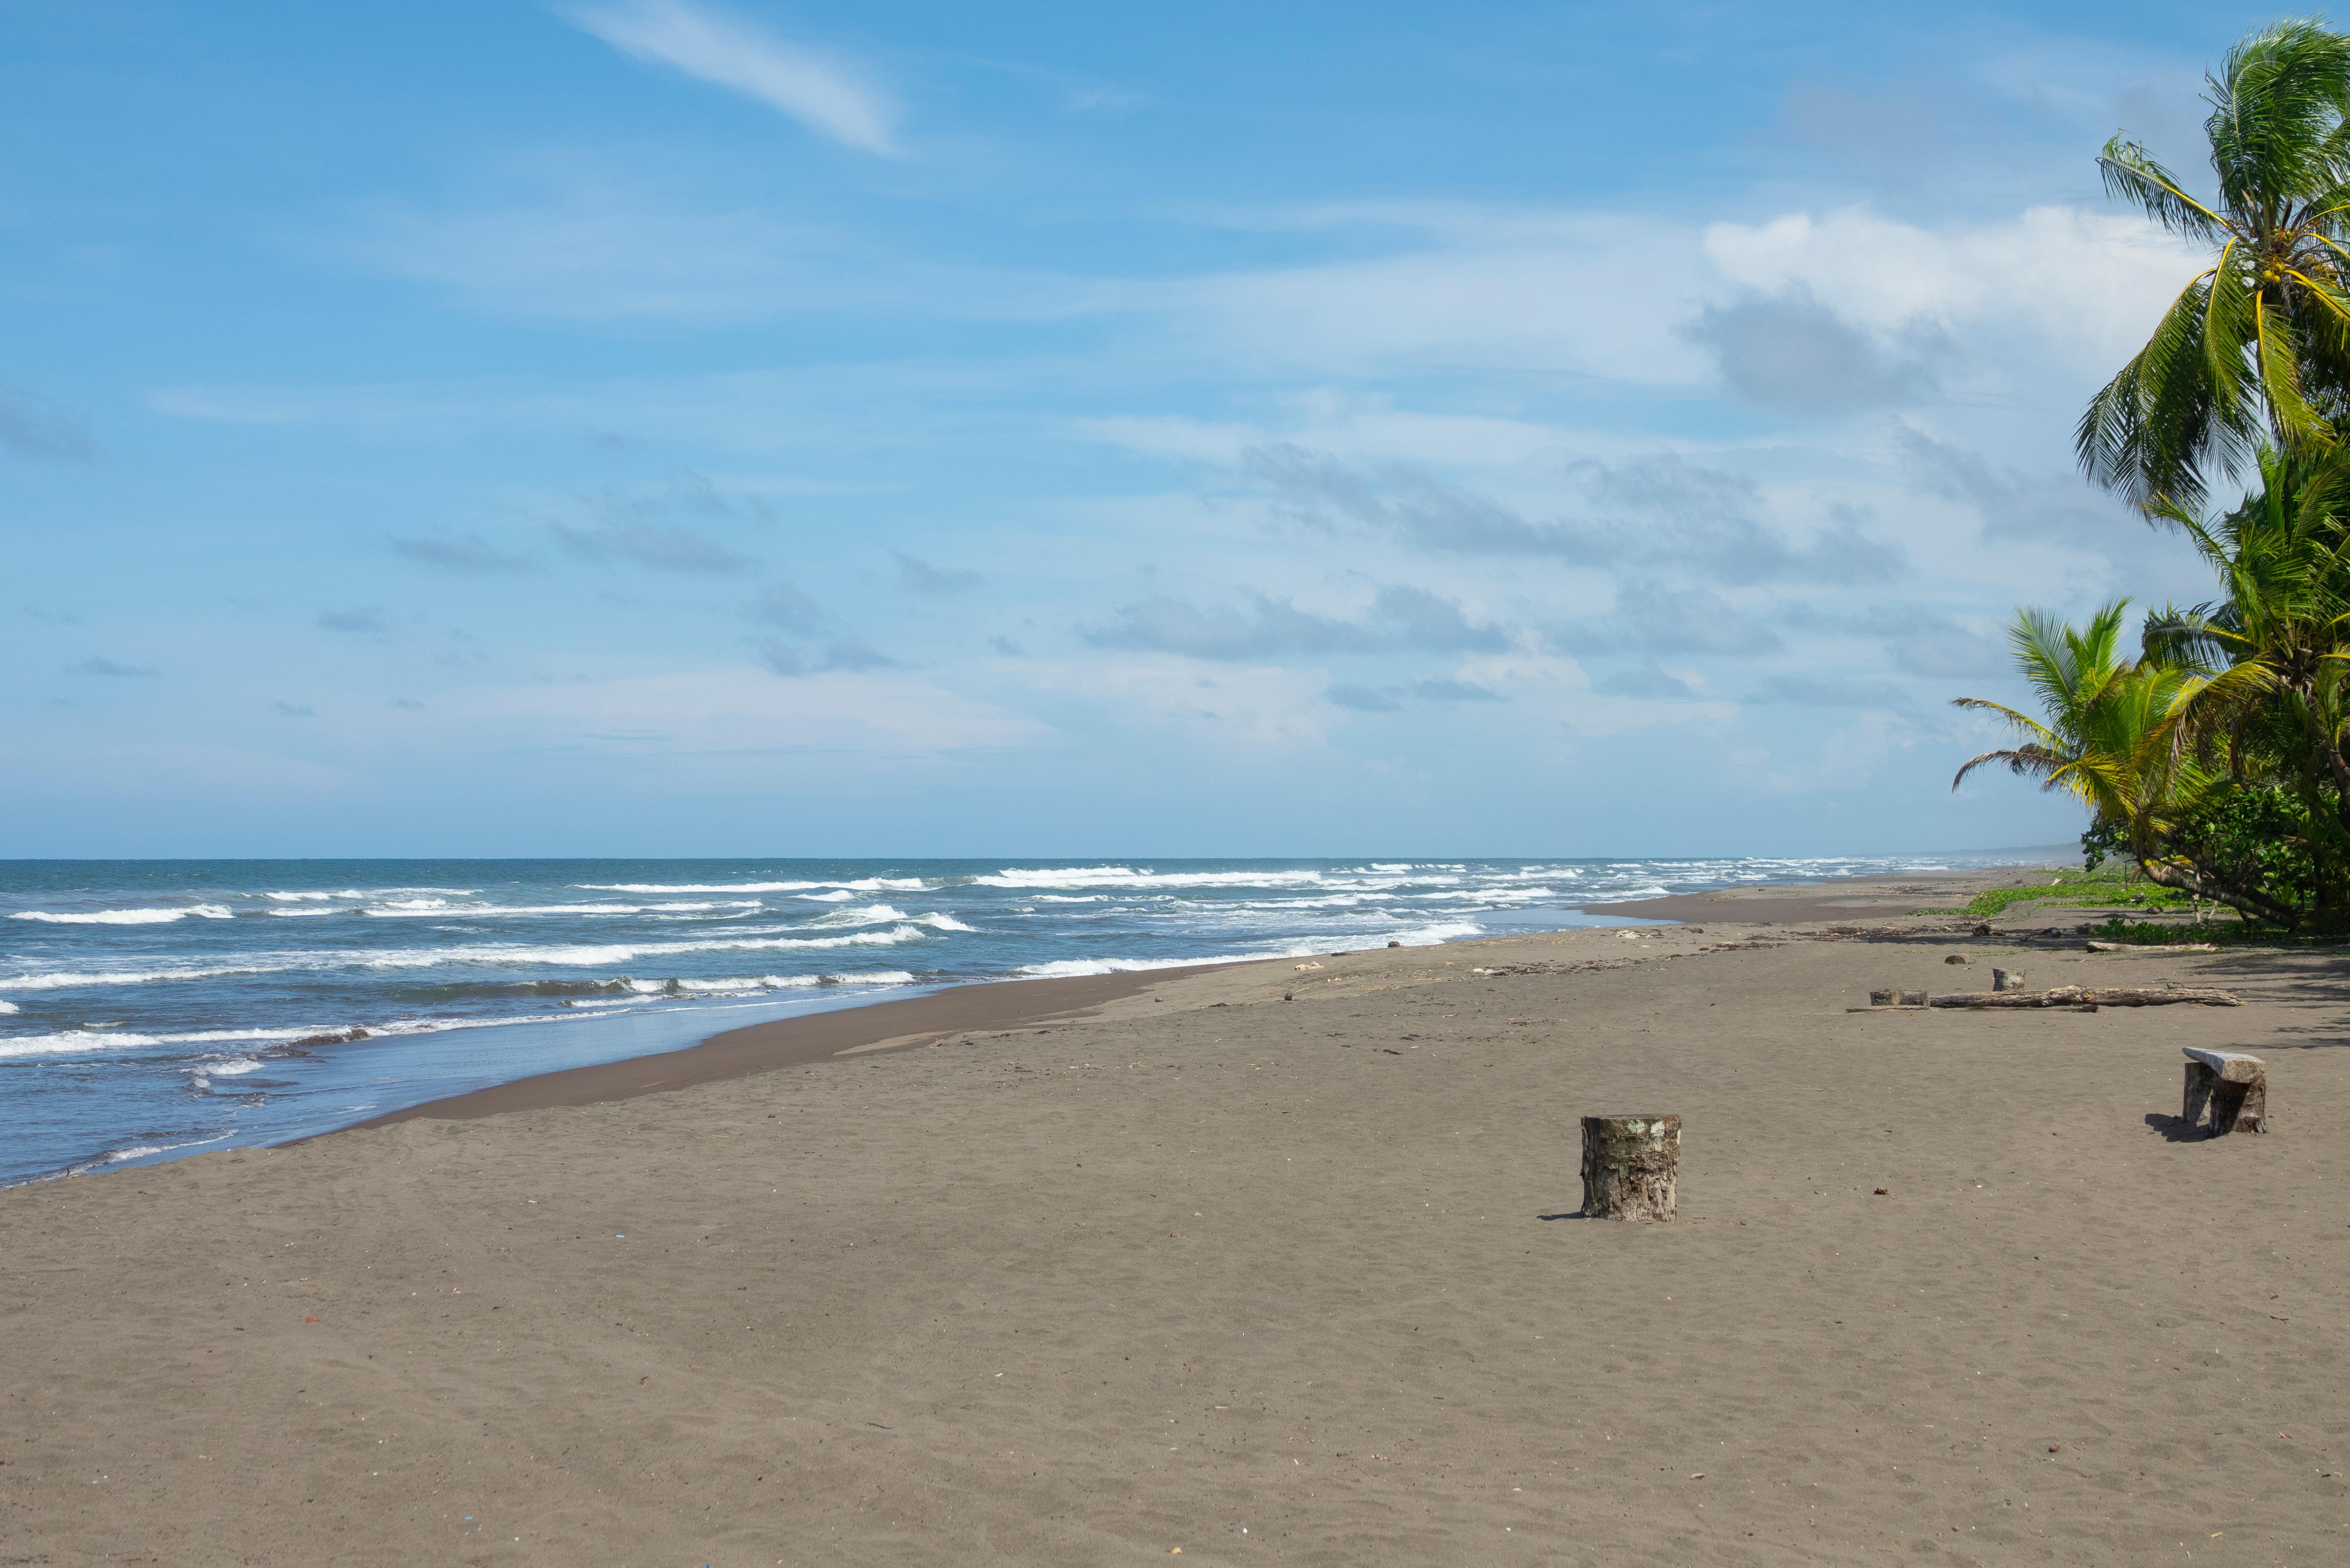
<point>1176,1265</point>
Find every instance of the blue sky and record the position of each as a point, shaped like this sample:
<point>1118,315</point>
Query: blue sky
<point>645,427</point>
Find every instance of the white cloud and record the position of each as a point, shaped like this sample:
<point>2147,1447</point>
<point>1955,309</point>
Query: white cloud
<point>872,715</point>
<point>1255,706</point>
<point>822,94</point>
<point>566,241</point>
<point>1581,295</point>
<point>2089,286</point>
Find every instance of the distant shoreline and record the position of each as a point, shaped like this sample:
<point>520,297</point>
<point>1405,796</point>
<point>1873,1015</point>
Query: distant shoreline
<point>992,1006</point>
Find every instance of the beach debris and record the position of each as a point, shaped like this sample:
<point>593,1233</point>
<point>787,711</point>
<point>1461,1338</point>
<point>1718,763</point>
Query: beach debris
<point>1395,944</point>
<point>2152,948</point>
<point>1983,929</point>
<point>1630,1166</point>
<point>2007,980</point>
<point>1304,967</point>
<point>2232,1085</point>
<point>1897,999</point>
<point>1958,958</point>
<point>2093,996</point>
<point>1884,1193</point>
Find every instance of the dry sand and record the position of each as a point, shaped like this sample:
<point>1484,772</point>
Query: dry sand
<point>1269,1280</point>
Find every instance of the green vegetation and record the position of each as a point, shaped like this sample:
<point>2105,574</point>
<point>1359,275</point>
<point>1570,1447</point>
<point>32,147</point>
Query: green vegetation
<point>2254,350</point>
<point>2232,933</point>
<point>2216,757</point>
<point>2094,889</point>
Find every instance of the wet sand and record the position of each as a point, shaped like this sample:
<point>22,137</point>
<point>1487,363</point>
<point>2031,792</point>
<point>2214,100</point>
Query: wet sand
<point>1298,1280</point>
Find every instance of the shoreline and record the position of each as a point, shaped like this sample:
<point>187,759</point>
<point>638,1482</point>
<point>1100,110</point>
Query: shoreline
<point>753,1048</point>
<point>980,1006</point>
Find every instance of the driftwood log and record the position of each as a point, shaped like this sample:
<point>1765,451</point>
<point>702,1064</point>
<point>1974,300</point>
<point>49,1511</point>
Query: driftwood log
<point>2232,1085</point>
<point>2092,996</point>
<point>1629,1166</point>
<point>1897,999</point>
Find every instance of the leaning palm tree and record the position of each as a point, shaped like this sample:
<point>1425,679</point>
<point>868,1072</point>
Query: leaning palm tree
<point>2107,740</point>
<point>2256,349</point>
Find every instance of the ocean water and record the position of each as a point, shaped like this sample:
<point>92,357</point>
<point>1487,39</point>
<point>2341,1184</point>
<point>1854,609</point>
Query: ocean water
<point>150,1009</point>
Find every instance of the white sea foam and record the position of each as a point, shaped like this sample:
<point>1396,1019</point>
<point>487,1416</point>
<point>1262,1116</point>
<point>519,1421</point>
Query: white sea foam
<point>299,897</point>
<point>862,885</point>
<point>1062,968</point>
<point>942,922</point>
<point>569,955</point>
<point>747,984</point>
<point>837,896</point>
<point>73,979</point>
<point>70,1040</point>
<point>126,917</point>
<point>235,1067</point>
<point>8,1007</point>
<point>1129,877</point>
<point>415,907</point>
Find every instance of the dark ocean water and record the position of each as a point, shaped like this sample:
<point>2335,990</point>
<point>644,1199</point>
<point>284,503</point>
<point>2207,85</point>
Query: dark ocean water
<point>150,1008</point>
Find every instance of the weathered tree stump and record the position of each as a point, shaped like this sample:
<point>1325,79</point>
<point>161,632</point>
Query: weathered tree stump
<point>2007,980</point>
<point>1629,1166</point>
<point>2232,1085</point>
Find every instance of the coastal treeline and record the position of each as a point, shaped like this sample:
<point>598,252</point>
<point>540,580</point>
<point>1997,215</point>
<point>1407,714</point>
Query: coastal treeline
<point>2215,753</point>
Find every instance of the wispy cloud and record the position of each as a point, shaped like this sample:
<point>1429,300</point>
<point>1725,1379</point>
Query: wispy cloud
<point>822,93</point>
<point>33,426</point>
<point>1669,512</point>
<point>783,605</point>
<point>1400,618</point>
<point>925,579</point>
<point>97,665</point>
<point>848,654</point>
<point>461,553</point>
<point>657,547</point>
<point>1391,699</point>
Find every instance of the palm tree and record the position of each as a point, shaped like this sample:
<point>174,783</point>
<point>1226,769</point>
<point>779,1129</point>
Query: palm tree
<point>2256,349</point>
<point>2272,686</point>
<point>2276,648</point>
<point>2107,742</point>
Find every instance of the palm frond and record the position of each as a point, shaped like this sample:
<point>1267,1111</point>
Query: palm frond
<point>2133,175</point>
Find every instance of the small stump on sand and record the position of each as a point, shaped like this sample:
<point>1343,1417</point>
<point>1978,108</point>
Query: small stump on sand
<point>2007,980</point>
<point>1629,1165</point>
<point>2233,1086</point>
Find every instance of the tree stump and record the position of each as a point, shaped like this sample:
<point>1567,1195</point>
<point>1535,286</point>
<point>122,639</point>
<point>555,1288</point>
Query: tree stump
<point>2234,1086</point>
<point>2007,980</point>
<point>1629,1166</point>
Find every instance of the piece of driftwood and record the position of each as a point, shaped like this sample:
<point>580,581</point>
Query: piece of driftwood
<point>1629,1166</point>
<point>1897,999</point>
<point>2234,1086</point>
<point>2154,947</point>
<point>2097,996</point>
<point>2007,980</point>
